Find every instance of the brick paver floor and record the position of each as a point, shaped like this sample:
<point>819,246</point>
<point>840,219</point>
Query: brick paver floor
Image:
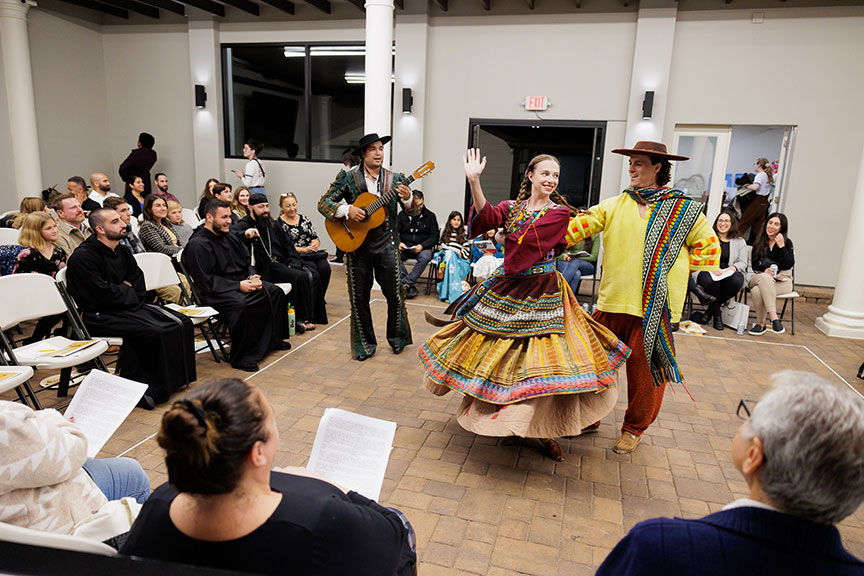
<point>482,508</point>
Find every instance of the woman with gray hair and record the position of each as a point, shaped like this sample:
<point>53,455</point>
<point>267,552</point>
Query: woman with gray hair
<point>801,452</point>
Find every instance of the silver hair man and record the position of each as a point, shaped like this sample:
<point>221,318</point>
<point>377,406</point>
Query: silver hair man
<point>810,434</point>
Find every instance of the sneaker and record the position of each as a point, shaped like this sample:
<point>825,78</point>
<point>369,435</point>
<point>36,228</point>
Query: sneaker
<point>757,330</point>
<point>777,326</point>
<point>626,443</point>
<point>591,428</point>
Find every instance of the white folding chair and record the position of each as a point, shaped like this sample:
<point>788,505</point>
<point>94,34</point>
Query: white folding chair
<point>191,218</point>
<point>8,236</point>
<point>18,377</point>
<point>20,535</point>
<point>158,273</point>
<point>34,296</point>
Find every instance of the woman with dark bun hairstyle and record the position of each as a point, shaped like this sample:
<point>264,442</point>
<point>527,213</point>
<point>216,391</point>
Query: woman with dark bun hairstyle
<point>225,506</point>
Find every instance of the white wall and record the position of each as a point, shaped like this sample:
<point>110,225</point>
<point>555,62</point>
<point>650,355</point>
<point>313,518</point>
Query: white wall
<point>70,97</point>
<point>799,67</point>
<point>149,89</point>
<point>485,67</point>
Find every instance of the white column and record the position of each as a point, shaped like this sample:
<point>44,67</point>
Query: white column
<point>379,66</point>
<point>652,60</point>
<point>204,63</point>
<point>845,317</point>
<point>412,39</point>
<point>19,95</point>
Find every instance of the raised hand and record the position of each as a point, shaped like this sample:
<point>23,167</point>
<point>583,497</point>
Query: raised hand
<point>474,165</point>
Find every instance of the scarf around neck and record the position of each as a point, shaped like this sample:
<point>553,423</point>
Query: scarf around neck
<point>672,217</point>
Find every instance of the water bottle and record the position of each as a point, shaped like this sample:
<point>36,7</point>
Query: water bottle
<point>742,327</point>
<point>587,308</point>
<point>292,321</point>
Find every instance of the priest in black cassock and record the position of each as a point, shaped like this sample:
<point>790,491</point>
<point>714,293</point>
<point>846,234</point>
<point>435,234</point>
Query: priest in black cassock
<point>220,266</point>
<point>277,260</point>
<point>105,281</point>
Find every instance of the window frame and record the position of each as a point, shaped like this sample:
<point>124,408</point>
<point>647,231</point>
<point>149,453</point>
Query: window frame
<point>228,84</point>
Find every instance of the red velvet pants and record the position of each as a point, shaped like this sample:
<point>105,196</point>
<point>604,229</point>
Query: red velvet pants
<point>643,397</point>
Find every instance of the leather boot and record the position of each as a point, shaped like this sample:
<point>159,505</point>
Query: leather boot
<point>705,298</point>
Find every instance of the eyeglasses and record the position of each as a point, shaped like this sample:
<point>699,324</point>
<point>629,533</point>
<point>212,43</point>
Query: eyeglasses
<point>744,408</point>
<point>285,195</point>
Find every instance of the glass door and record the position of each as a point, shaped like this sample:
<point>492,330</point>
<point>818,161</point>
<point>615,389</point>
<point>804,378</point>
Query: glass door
<point>703,176</point>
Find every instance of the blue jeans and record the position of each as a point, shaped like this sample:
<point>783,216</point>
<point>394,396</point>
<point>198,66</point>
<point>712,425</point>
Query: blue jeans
<point>423,258</point>
<point>257,190</point>
<point>118,478</point>
<point>573,271</point>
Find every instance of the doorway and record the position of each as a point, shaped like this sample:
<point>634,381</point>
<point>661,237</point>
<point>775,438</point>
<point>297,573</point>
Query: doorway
<point>509,145</point>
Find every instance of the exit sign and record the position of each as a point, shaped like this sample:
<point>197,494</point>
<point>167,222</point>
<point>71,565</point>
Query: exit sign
<point>535,103</point>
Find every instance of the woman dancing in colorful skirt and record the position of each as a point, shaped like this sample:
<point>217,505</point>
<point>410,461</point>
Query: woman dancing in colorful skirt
<point>529,361</point>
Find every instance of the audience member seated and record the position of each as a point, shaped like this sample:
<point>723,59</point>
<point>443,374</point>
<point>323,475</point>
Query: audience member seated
<point>418,236</point>
<point>181,228</point>
<point>48,483</point>
<point>71,228</point>
<point>452,259</point>
<point>78,188</point>
<point>276,259</point>
<point>770,272</point>
<point>28,205</point>
<point>484,261</point>
<point>733,260</point>
<point>130,240</point>
<point>240,202</point>
<point>305,238</point>
<point>41,255</point>
<point>225,506</point>
<point>206,196</point>
<point>802,455</point>
<point>573,267</point>
<point>106,283</point>
<point>135,195</point>
<point>220,268</point>
<point>161,181</point>
<point>221,191</point>
<point>100,188</point>
<point>156,232</point>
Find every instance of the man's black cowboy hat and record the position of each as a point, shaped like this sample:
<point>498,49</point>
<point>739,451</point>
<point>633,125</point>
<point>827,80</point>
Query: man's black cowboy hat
<point>367,140</point>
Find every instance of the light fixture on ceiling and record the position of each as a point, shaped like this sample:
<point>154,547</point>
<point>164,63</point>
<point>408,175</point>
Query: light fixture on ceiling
<point>360,78</point>
<point>300,51</point>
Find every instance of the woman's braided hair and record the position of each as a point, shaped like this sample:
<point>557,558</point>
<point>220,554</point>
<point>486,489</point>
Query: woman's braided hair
<point>525,191</point>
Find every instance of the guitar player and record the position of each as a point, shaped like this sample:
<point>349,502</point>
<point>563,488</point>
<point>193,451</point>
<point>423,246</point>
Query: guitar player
<point>378,256</point>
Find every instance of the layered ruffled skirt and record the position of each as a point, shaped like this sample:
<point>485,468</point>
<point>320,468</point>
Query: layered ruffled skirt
<point>528,359</point>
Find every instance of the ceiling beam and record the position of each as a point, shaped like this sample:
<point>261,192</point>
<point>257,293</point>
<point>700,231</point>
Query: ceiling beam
<point>168,5</point>
<point>486,4</point>
<point>244,5</point>
<point>361,4</point>
<point>400,4</point>
<point>207,6</point>
<point>134,6</point>
<point>442,4</point>
<point>530,4</point>
<point>100,7</point>
<point>323,5</point>
<point>284,5</point>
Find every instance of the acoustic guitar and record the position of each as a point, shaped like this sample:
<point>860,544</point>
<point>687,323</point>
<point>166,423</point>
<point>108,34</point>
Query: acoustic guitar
<point>349,235</point>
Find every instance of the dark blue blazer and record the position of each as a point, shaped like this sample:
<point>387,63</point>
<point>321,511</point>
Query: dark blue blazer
<point>739,541</point>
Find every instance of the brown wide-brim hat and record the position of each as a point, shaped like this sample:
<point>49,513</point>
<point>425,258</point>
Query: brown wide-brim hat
<point>367,140</point>
<point>656,149</point>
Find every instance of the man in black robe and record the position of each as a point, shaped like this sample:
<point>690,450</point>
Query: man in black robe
<point>277,260</point>
<point>220,268</point>
<point>107,284</point>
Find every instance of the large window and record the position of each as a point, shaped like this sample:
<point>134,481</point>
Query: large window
<point>303,101</point>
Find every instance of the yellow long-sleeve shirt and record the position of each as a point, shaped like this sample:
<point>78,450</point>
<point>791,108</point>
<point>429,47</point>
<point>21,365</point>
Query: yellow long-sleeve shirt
<point>623,249</point>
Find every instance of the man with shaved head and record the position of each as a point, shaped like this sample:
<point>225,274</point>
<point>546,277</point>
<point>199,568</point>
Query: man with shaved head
<point>100,188</point>
<point>106,282</point>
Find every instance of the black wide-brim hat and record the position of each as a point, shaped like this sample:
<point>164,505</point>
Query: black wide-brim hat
<point>657,149</point>
<point>367,140</point>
